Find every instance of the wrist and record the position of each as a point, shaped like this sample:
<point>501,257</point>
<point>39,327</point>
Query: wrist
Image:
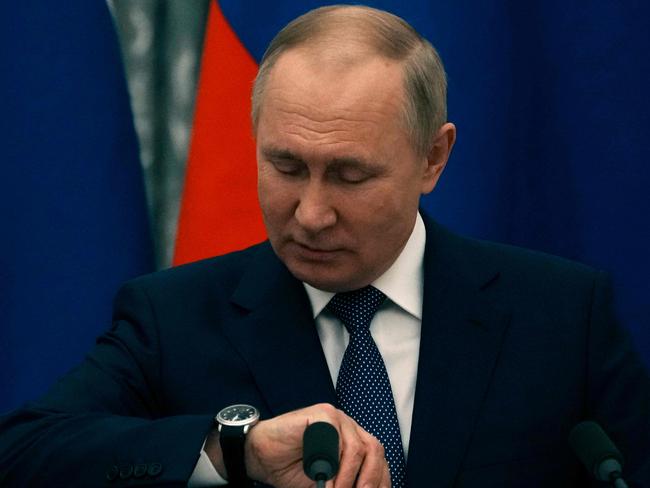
<point>251,455</point>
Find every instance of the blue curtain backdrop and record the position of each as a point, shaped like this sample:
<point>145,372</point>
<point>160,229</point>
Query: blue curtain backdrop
<point>550,99</point>
<point>553,113</point>
<point>73,213</point>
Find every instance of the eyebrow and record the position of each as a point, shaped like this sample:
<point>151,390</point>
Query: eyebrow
<point>339,162</point>
<point>277,153</point>
<point>349,161</point>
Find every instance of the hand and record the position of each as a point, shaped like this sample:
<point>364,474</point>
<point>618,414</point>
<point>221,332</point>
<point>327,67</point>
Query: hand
<point>274,451</point>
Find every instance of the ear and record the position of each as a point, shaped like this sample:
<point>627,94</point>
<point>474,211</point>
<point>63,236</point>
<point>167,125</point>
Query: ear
<point>438,156</point>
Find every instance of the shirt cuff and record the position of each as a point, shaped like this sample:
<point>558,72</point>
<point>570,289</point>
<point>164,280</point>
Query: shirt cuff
<point>204,474</point>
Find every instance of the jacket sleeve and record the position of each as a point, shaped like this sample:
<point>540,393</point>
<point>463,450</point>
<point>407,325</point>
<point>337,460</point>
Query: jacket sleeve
<point>618,389</point>
<point>104,423</point>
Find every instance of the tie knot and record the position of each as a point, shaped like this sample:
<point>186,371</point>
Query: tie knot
<point>356,308</point>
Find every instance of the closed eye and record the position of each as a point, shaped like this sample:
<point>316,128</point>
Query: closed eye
<point>350,175</point>
<point>289,167</point>
<point>352,171</point>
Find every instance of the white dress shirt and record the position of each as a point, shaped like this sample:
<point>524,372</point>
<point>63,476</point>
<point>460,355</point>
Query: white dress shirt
<point>395,328</point>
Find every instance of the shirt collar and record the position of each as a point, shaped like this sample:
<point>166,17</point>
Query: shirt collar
<point>402,283</point>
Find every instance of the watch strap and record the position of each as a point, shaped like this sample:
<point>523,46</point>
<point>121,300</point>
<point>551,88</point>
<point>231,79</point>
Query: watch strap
<point>232,440</point>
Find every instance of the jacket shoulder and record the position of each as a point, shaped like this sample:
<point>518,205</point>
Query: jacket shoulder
<point>517,265</point>
<point>219,274</point>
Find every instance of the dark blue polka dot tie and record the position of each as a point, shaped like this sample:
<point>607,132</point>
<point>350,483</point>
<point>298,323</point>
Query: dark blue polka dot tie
<point>363,388</point>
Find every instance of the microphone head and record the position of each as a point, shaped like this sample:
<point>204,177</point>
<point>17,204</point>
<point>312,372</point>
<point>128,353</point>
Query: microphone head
<point>594,447</point>
<point>320,446</point>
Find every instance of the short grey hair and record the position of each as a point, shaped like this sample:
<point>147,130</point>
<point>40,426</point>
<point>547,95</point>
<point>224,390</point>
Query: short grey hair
<point>425,82</point>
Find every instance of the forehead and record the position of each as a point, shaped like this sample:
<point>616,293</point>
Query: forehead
<point>345,72</point>
<point>322,93</point>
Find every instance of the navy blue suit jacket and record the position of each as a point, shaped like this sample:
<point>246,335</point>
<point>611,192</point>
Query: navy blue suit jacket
<point>516,348</point>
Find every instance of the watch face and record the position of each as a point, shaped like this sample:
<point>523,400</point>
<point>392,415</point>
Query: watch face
<point>238,415</point>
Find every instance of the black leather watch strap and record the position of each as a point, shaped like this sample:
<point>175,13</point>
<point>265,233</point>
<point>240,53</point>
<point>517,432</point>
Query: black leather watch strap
<point>232,441</point>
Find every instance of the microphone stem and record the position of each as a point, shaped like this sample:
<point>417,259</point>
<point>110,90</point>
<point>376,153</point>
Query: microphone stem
<point>619,483</point>
<point>321,484</point>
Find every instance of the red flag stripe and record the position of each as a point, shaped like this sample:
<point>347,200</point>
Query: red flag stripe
<point>219,210</point>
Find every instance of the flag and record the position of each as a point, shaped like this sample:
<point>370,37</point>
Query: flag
<point>74,222</point>
<point>552,110</point>
<point>219,211</point>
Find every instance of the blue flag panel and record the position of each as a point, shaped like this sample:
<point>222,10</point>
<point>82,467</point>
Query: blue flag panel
<point>551,103</point>
<point>74,221</point>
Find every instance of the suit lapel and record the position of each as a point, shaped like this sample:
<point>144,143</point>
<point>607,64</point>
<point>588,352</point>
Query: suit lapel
<point>277,337</point>
<point>460,343</point>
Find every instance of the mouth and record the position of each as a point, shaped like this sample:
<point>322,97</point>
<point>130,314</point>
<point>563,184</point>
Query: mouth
<point>315,253</point>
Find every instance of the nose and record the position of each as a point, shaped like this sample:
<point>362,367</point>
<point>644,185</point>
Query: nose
<point>314,212</point>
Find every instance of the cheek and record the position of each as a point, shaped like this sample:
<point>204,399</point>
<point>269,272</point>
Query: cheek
<point>383,219</point>
<point>366,220</point>
<point>275,199</point>
<point>381,207</point>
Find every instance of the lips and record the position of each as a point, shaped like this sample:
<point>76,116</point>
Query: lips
<point>312,253</point>
<point>315,249</point>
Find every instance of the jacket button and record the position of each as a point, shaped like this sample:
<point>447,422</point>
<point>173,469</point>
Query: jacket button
<point>112,473</point>
<point>126,471</point>
<point>140,470</point>
<point>155,469</point>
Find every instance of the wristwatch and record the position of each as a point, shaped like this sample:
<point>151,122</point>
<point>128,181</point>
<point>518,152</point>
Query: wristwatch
<point>233,423</point>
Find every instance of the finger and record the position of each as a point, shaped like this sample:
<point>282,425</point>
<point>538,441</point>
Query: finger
<point>374,467</point>
<point>353,450</point>
<point>385,479</point>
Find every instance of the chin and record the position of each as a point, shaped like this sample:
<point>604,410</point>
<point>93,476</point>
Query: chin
<point>323,281</point>
<point>319,282</point>
<point>328,281</point>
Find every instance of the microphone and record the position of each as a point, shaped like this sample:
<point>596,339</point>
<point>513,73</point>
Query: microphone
<point>597,452</point>
<point>320,447</point>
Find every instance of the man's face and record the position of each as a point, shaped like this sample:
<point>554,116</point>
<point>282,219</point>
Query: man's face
<point>338,180</point>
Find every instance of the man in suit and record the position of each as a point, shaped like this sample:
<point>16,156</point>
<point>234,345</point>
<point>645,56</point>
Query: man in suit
<point>491,353</point>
